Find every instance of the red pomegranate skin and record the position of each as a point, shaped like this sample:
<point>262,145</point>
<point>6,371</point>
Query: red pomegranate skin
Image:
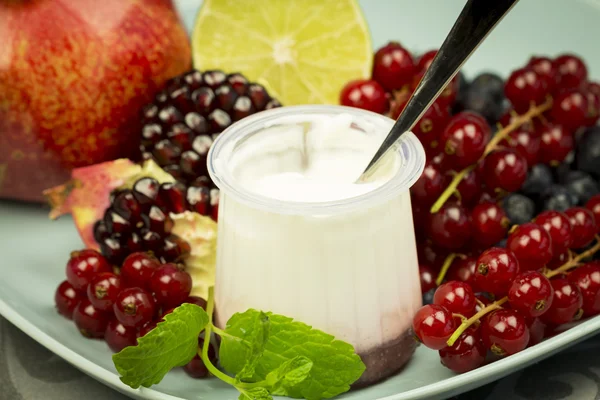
<point>74,75</point>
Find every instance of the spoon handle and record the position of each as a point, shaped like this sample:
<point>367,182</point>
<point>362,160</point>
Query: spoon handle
<point>477,19</point>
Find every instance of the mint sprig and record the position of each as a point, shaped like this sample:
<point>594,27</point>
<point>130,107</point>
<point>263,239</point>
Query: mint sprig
<point>263,354</point>
<point>173,343</point>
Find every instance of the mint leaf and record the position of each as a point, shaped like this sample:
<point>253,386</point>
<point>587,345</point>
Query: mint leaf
<point>173,343</point>
<point>288,375</point>
<point>256,341</point>
<point>258,393</point>
<point>335,364</point>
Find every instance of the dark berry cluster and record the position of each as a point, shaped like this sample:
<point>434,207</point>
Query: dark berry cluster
<point>138,219</point>
<point>120,305</point>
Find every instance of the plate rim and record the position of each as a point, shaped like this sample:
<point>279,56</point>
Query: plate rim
<point>483,374</point>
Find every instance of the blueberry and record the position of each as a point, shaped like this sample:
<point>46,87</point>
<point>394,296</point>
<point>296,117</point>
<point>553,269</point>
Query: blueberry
<point>518,208</point>
<point>588,152</point>
<point>501,243</point>
<point>485,95</point>
<point>582,185</point>
<point>428,297</point>
<point>538,179</point>
<point>557,197</point>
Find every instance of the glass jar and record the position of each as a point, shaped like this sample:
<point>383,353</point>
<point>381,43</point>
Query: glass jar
<point>348,267</point>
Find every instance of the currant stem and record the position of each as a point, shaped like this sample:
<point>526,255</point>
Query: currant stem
<point>446,266</point>
<point>474,319</point>
<point>574,262</point>
<point>491,146</point>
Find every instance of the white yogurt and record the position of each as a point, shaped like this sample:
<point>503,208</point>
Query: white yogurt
<point>297,236</point>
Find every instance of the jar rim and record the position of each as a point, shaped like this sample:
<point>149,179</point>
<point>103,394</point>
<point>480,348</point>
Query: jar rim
<point>409,149</point>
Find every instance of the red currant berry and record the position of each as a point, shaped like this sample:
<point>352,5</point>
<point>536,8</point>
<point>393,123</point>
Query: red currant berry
<point>118,337</point>
<point>464,140</point>
<point>427,278</point>
<point>525,143</point>
<point>433,325</point>
<point>426,59</point>
<point>558,227</point>
<point>531,294</point>
<point>66,299</point>
<point>90,321</point>
<point>466,354</point>
<point>431,125</point>
<point>504,332</point>
<point>587,278</point>
<point>147,328</point>
<point>103,290</point>
<point>430,185</point>
<point>537,330</point>
<point>593,205</point>
<point>137,270</point>
<point>432,255</point>
<point>450,227</point>
<point>505,169</point>
<point>558,261</point>
<point>365,94</point>
<point>199,301</point>
<point>485,301</point>
<point>196,368</point>
<point>470,187</point>
<point>572,70</point>
<point>570,109</point>
<point>463,270</point>
<point>584,226</point>
<point>490,224</point>
<point>83,266</point>
<point>393,66</point>
<point>171,285</point>
<point>566,305</point>
<point>457,297</point>
<point>496,268</point>
<point>525,88</point>
<point>546,70</point>
<point>555,144</point>
<point>532,246</point>
<point>134,307</point>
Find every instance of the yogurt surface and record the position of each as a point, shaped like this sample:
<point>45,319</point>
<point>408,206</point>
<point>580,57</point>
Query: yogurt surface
<point>315,161</point>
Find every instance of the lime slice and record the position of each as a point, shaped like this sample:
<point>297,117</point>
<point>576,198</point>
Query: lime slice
<point>305,51</point>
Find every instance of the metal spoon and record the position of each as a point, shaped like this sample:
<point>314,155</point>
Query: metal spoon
<point>477,19</point>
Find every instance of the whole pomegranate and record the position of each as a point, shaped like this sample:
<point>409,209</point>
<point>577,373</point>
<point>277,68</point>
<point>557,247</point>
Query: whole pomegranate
<point>73,77</point>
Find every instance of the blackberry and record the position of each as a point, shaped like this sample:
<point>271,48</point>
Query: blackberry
<point>138,219</point>
<point>181,123</point>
